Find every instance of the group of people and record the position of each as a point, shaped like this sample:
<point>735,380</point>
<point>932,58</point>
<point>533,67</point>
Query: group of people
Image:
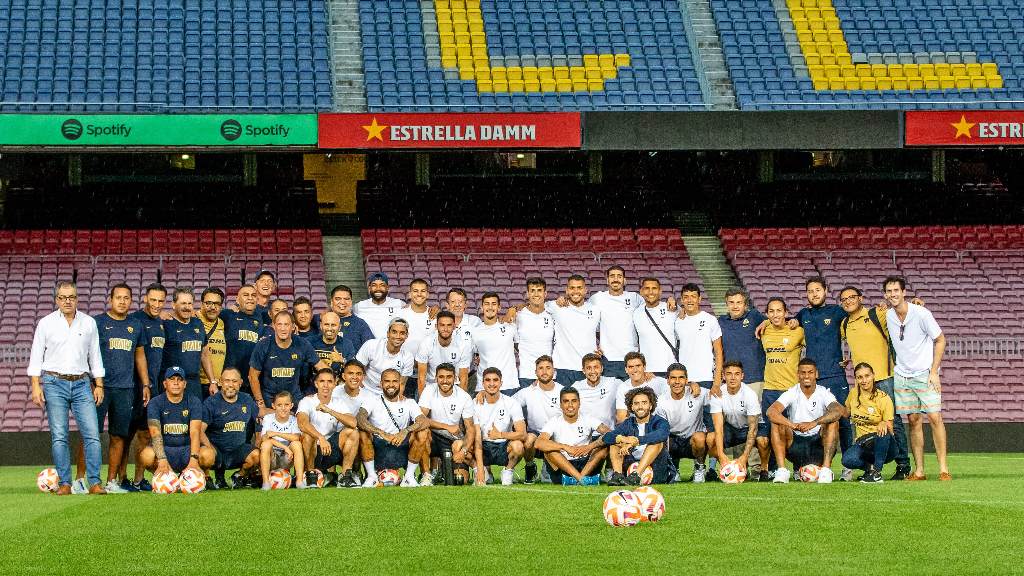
<point>619,383</point>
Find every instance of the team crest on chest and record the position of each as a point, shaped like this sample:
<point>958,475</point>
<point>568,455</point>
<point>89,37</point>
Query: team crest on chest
<point>185,413</point>
<point>746,322</point>
<point>501,413</point>
<point>245,409</point>
<point>130,330</point>
<point>295,356</point>
<point>579,429</point>
<point>451,408</point>
<point>828,321</point>
<point>401,410</point>
<point>701,326</point>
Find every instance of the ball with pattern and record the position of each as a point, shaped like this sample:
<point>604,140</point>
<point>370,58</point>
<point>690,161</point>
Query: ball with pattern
<point>165,483</point>
<point>652,503</point>
<point>320,480</point>
<point>732,473</point>
<point>280,479</point>
<point>192,481</point>
<point>622,508</point>
<point>809,473</point>
<point>646,477</point>
<point>47,480</point>
<point>388,477</point>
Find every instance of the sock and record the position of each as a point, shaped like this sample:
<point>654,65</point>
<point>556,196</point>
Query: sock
<point>410,470</point>
<point>371,469</point>
<point>712,462</point>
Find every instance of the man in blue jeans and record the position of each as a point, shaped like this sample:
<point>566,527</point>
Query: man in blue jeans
<point>65,357</point>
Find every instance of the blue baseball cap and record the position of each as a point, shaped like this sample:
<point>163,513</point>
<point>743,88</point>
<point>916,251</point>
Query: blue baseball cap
<point>174,371</point>
<point>378,276</point>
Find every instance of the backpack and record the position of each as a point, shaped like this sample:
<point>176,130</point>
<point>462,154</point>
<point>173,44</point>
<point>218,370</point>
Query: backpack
<point>873,316</point>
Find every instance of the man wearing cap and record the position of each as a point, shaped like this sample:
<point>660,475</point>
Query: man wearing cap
<point>265,285</point>
<point>175,427</point>
<point>379,309</point>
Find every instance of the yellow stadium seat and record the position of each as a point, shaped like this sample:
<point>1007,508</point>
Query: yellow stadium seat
<point>810,3</point>
<point>832,71</point>
<point>547,86</point>
<point>912,71</point>
<point>478,37</point>
<point>927,70</point>
<point>795,13</point>
<point>974,70</point>
<point>515,86</point>
<point>577,73</point>
<point>852,83</point>
<point>978,82</point>
<point>595,85</point>
<point>563,85</point>
<point>545,74</point>
<point>879,70</point>
<point>530,73</point>
<point>579,85</point>
<point>915,83</point>
<point>466,74</point>
<point>867,83</point>
<point>947,82</point>
<point>804,37</point>
<point>829,60</point>
<point>608,72</point>
<point>894,70</point>
<point>816,71</point>
<point>883,83</point>
<point>824,48</point>
<point>498,73</point>
<point>958,69</point>
<point>942,69</point>
<point>514,73</point>
<point>607,60</point>
<point>623,59</point>
<point>962,82</point>
<point>501,86</point>
<point>844,59</point>
<point>994,81</point>
<point>483,74</point>
<point>820,84</point>
<point>931,82</point>
<point>591,61</point>
<point>594,72</point>
<point>561,72</point>
<point>815,24</point>
<point>989,69</point>
<point>484,86</point>
<point>899,84</point>
<point>531,85</point>
<point>813,59</point>
<point>836,36</point>
<point>863,70</point>
<point>814,13</point>
<point>820,36</point>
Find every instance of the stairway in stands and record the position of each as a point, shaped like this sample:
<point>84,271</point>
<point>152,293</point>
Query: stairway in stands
<point>706,44</point>
<point>343,264</point>
<point>346,56</point>
<point>708,258</point>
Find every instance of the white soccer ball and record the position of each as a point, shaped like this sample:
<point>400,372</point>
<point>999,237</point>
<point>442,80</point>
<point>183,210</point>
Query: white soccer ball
<point>320,479</point>
<point>166,483</point>
<point>652,503</point>
<point>192,481</point>
<point>809,473</point>
<point>622,508</point>
<point>389,477</point>
<point>47,480</point>
<point>732,473</point>
<point>646,477</point>
<point>280,479</point>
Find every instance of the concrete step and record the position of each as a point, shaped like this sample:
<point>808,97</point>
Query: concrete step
<point>343,264</point>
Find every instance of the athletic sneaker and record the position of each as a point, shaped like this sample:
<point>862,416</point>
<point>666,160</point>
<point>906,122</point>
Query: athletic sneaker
<point>846,476</point>
<point>127,486</point>
<point>216,484</point>
<point>310,479</point>
<point>238,480</point>
<point>346,480</point>
<point>871,477</point>
<point>302,485</point>
<point>79,486</point>
<point>371,482</point>
<point>698,474</point>
<point>545,477</point>
<point>143,486</point>
<point>409,482</point>
<point>617,479</point>
<point>265,487</point>
<point>506,477</point>
<point>781,476</point>
<point>112,487</point>
<point>825,476</point>
<point>633,479</point>
<point>711,475</point>
<point>592,480</point>
<point>490,479</point>
<point>531,473</point>
<point>764,476</point>
<point>901,473</point>
<point>568,480</point>
<point>426,479</point>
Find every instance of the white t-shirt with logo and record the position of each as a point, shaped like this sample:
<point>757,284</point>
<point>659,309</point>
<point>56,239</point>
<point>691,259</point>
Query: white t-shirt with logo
<point>540,405</point>
<point>457,353</point>
<point>575,334</point>
<point>735,408</point>
<point>421,327</point>
<point>496,346</point>
<point>464,330</point>
<point>535,334</point>
<point>375,356</point>
<point>696,334</point>
<point>685,415</point>
<point>654,348</point>
<point>616,328</point>
<point>272,426</point>
<point>378,316</point>
<point>404,411</point>
<point>658,384</point>
<point>915,351</point>
<point>800,408</point>
<point>502,415</point>
<point>350,404</point>
<point>322,421</point>
<point>451,409</point>
<point>575,433</point>
<point>599,400</point>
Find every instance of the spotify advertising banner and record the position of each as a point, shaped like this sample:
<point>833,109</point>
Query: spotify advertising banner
<point>208,130</point>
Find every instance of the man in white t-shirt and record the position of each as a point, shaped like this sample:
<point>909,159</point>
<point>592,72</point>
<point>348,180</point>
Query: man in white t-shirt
<point>329,434</point>
<point>700,346</point>
<point>281,441</point>
<point>655,325</point>
<point>449,412</point>
<point>576,326</point>
<point>443,348</point>
<point>500,430</point>
<point>808,434</point>
<point>919,345</point>
<point>616,306</point>
<point>571,444</point>
<point>535,330</point>
<point>381,354</point>
<point>379,309</point>
<point>735,416</point>
<point>350,397</point>
<point>683,407</point>
<point>421,325</point>
<point>597,392</point>
<point>455,302</point>
<point>540,401</point>
<point>636,368</point>
<point>495,342</point>
<point>393,433</point>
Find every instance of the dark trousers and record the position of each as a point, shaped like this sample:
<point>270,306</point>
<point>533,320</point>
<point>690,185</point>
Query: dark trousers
<point>875,452</point>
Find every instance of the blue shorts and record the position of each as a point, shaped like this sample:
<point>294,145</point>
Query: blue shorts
<point>556,475</point>
<point>323,462</point>
<point>509,391</point>
<point>567,377</point>
<point>660,466</point>
<point>232,458</point>
<point>118,406</point>
<point>387,456</point>
<point>679,447</point>
<point>768,397</point>
<point>614,368</point>
<point>524,382</point>
<point>178,457</point>
<point>734,436</point>
<point>806,450</point>
<point>708,423</point>
<point>495,453</point>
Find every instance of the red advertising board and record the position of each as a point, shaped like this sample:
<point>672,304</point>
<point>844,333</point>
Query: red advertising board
<point>474,130</point>
<point>964,128</point>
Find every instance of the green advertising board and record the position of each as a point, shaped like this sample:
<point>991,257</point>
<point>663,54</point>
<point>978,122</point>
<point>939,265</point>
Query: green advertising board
<point>208,130</point>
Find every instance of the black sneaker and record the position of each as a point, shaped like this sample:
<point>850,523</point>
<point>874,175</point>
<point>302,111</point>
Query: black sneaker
<point>348,480</point>
<point>215,484</point>
<point>617,479</point>
<point>143,486</point>
<point>710,475</point>
<point>633,479</point>
<point>764,477</point>
<point>871,477</point>
<point>901,473</point>
<point>311,479</point>
<point>531,473</point>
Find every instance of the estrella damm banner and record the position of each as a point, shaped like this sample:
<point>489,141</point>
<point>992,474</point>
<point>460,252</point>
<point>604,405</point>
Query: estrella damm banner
<point>476,130</point>
<point>964,128</point>
<point>212,130</point>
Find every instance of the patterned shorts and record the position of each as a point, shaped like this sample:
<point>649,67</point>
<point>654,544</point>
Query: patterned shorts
<point>916,395</point>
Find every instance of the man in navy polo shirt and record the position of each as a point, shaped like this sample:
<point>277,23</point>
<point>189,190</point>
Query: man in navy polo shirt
<point>175,425</point>
<point>148,316</point>
<point>242,330</point>
<point>741,344</point>
<point>353,328</point>
<point>227,418</point>
<point>329,347</point>
<point>185,344</point>
<point>278,363</point>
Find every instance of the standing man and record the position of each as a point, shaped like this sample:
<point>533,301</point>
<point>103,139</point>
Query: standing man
<point>808,434</point>
<point>353,328</point>
<point>65,356</point>
<point>495,342</point>
<point>540,401</point>
<point>535,330</point>
<point>211,303</point>
<point>149,316</point>
<point>379,309</point>
<point>328,346</point>
<point>919,345</point>
<point>655,327</point>
<point>302,310</point>
<point>186,344</point>
<point>442,348</point>
<point>265,285</point>
<point>381,354</point>
<point>740,343</point>
<point>636,368</point>
<point>418,314</point>
<point>615,307</point>
<point>866,333</point>
<point>277,305</point>
<point>455,302</point>
<point>700,342</point>
<point>242,329</point>
<point>278,363</point>
<point>576,326</point>
<point>597,392</point>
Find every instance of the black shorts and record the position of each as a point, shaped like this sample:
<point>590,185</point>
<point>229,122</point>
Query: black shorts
<point>806,450</point>
<point>660,466</point>
<point>496,453</point>
<point>118,406</point>
<point>232,458</point>
<point>734,436</point>
<point>138,411</point>
<point>322,461</point>
<point>439,442</point>
<point>679,447</point>
<point>178,457</point>
<point>556,475</point>
<point>387,456</point>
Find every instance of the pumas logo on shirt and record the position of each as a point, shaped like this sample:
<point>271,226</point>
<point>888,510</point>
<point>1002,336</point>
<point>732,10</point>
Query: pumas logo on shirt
<point>828,321</point>
<point>590,313</point>
<point>871,409</point>
<point>602,391</point>
<point>785,341</point>
<point>184,413</point>
<point>701,326</point>
<point>245,409</point>
<point>689,404</point>
<point>196,330</point>
<point>391,310</point>
<point>502,329</point>
<point>255,323</point>
<point>453,355</point>
<point>553,402</point>
<point>742,405</point>
<point>814,404</point>
<point>546,320</point>
<point>295,356</point>
<point>401,410</point>
<point>131,330</point>
<point>628,302</point>
<point>501,413</point>
<point>746,322</point>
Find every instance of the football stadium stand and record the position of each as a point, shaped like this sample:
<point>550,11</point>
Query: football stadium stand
<point>962,273</point>
<point>31,262</point>
<point>149,56</point>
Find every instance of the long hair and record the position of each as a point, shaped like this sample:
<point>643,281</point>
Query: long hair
<point>874,388</point>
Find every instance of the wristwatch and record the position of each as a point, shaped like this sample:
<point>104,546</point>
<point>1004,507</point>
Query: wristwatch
<point>193,455</point>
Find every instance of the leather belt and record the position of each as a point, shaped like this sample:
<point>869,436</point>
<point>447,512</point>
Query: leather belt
<point>68,377</point>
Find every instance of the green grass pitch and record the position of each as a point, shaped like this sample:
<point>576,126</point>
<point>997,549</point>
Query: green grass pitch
<point>972,525</point>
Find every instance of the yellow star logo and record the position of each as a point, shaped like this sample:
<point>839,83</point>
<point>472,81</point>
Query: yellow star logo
<point>963,127</point>
<point>374,130</point>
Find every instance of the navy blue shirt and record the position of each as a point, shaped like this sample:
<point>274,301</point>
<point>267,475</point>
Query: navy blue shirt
<point>282,368</point>
<point>821,332</point>
<point>184,345</point>
<point>153,327</point>
<point>118,341</point>
<point>228,423</point>
<point>739,343</point>
<point>263,313</point>
<point>341,346</point>
<point>241,333</point>
<point>353,328</point>
<point>174,418</point>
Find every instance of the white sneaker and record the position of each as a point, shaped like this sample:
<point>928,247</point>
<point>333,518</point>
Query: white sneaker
<point>544,476</point>
<point>409,482</point>
<point>506,477</point>
<point>490,478</point>
<point>846,476</point>
<point>114,487</point>
<point>698,475</point>
<point>825,476</point>
<point>79,486</point>
<point>301,485</point>
<point>427,479</point>
<point>781,476</point>
<point>371,482</point>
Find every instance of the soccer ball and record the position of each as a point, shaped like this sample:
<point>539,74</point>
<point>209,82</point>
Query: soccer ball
<point>192,481</point>
<point>280,479</point>
<point>166,483</point>
<point>809,473</point>
<point>622,508</point>
<point>320,480</point>
<point>732,473</point>
<point>388,477</point>
<point>652,503</point>
<point>646,477</point>
<point>47,480</point>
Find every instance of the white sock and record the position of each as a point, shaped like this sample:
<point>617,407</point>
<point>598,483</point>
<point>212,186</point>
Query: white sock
<point>371,469</point>
<point>410,470</point>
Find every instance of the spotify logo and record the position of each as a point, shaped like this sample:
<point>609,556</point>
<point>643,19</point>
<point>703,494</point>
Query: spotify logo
<point>230,130</point>
<point>71,129</point>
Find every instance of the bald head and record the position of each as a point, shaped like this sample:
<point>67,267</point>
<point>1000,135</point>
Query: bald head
<point>330,324</point>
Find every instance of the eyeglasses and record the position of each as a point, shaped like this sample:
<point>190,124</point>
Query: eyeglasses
<point>849,299</point>
<point>210,303</point>
<point>902,328</point>
<point>71,298</point>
